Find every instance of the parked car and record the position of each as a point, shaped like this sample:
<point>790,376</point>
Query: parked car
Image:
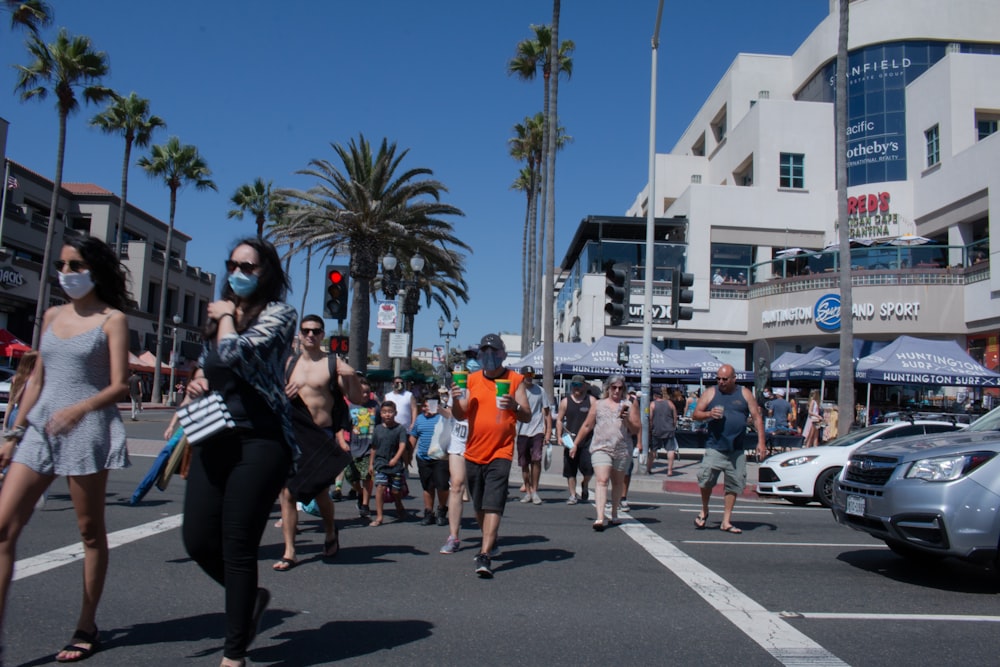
<point>804,475</point>
<point>6,375</point>
<point>928,496</point>
<point>954,417</point>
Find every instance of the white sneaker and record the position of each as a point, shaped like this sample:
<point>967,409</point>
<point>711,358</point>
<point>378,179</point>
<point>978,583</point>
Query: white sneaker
<point>536,499</point>
<point>526,498</point>
<point>573,500</point>
<point>623,506</point>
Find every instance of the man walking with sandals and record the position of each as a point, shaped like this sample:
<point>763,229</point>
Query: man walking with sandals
<point>726,407</point>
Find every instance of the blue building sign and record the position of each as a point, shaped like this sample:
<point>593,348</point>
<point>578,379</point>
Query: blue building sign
<point>826,312</point>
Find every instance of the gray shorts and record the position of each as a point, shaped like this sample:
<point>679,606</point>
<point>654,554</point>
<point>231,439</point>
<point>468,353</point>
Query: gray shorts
<point>668,444</point>
<point>602,458</point>
<point>732,465</point>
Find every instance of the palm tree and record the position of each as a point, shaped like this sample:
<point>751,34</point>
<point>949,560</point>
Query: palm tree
<point>364,209</point>
<point>257,199</point>
<point>67,64</point>
<point>527,145</point>
<point>178,165</point>
<point>532,55</point>
<point>845,391</point>
<point>550,211</point>
<point>30,14</point>
<point>130,117</point>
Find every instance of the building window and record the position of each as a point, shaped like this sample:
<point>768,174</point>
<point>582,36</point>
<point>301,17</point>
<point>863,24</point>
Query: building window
<point>986,123</point>
<point>743,174</point>
<point>933,139</point>
<point>718,125</point>
<point>792,172</point>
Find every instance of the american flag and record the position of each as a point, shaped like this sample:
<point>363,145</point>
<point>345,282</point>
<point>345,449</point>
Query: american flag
<point>12,183</point>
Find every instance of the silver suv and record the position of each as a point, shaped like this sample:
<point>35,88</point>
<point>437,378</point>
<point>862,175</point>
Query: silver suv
<point>930,495</point>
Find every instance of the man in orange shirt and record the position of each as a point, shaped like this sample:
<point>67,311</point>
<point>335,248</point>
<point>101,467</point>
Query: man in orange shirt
<point>489,448</point>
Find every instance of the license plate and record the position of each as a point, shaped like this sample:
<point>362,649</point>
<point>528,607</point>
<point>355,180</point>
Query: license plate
<point>856,505</point>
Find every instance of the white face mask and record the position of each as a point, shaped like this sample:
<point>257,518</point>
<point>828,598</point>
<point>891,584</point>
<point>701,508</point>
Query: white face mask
<point>76,285</point>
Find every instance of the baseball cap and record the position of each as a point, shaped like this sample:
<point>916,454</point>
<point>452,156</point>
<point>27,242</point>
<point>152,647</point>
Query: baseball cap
<point>779,392</point>
<point>492,340</point>
<point>528,370</point>
<point>577,379</point>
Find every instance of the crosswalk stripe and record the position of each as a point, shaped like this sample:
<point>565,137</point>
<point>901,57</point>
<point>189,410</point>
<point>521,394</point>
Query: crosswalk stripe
<point>27,567</point>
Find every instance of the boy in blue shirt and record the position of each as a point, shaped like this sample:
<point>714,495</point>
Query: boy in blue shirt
<point>434,474</point>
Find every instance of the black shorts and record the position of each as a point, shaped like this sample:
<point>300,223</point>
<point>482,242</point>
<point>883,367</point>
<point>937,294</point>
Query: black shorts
<point>487,484</point>
<point>434,474</point>
<point>579,464</point>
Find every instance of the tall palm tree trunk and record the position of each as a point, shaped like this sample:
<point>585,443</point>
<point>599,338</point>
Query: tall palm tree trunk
<point>119,231</point>
<point>305,290</point>
<point>542,207</point>
<point>164,284</point>
<point>845,392</point>
<point>550,216</point>
<point>43,274</point>
<point>525,273</point>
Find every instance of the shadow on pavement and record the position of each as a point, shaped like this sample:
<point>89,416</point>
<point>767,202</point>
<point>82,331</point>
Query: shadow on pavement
<point>339,640</point>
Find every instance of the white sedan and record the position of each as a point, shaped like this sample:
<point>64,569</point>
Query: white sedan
<point>804,475</point>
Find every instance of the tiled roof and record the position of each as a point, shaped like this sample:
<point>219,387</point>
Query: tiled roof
<point>85,189</point>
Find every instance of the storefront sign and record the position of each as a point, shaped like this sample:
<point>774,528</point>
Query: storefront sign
<point>826,313</point>
<point>11,278</point>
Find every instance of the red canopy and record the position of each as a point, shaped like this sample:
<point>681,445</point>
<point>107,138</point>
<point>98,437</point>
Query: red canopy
<point>11,345</point>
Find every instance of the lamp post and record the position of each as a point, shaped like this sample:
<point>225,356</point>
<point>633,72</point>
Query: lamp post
<point>389,264</point>
<point>173,359</point>
<point>447,338</point>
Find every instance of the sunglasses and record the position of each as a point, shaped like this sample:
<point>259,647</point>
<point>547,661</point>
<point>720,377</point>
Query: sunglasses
<point>721,378</point>
<point>616,387</point>
<point>306,331</point>
<point>75,265</point>
<point>246,268</point>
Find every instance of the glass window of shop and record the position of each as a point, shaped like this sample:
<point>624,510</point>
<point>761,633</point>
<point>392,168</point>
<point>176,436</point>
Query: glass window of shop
<point>597,256</point>
<point>731,263</point>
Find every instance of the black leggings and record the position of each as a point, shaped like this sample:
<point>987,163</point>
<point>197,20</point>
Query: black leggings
<point>231,488</point>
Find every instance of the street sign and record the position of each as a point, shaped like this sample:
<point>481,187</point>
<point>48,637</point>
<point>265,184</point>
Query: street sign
<point>398,342</point>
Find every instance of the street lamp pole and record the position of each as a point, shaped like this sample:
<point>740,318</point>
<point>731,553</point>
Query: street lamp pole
<point>447,338</point>
<point>389,263</point>
<point>173,359</point>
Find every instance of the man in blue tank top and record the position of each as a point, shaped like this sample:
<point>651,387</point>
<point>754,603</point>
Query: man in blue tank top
<point>727,408</point>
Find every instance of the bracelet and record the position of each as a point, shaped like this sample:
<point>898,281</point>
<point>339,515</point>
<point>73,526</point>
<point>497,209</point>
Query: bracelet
<point>219,318</point>
<point>14,434</point>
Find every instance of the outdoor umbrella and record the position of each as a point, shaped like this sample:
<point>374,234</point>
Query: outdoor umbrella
<point>909,240</point>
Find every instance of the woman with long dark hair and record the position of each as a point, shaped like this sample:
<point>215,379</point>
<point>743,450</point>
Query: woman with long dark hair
<point>236,475</point>
<point>70,425</point>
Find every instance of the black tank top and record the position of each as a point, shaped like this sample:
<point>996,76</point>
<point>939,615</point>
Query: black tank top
<point>576,413</point>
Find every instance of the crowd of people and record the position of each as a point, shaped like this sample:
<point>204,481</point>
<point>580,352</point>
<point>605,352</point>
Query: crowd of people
<point>294,428</point>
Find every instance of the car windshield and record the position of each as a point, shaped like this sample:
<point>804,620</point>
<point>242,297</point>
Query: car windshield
<point>988,422</point>
<point>855,437</point>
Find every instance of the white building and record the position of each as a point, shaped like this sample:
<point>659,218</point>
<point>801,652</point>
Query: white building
<point>754,174</point>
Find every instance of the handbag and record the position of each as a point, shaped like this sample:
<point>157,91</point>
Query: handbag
<point>205,417</point>
<point>440,439</point>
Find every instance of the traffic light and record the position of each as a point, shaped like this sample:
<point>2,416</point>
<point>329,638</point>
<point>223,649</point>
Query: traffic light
<point>680,295</point>
<point>623,354</point>
<point>335,299</point>
<point>617,291</point>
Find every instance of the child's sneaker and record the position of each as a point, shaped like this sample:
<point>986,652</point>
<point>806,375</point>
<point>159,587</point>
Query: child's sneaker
<point>451,546</point>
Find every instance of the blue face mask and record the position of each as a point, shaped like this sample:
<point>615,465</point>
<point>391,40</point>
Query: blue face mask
<point>243,285</point>
<point>491,359</point>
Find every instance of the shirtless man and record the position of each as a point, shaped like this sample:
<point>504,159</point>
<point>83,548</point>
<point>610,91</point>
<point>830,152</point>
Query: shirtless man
<point>309,379</point>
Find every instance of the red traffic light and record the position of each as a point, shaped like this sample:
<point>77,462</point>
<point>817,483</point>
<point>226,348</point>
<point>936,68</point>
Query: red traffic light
<point>336,277</point>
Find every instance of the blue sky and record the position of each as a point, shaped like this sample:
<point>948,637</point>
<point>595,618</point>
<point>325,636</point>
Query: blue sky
<point>263,87</point>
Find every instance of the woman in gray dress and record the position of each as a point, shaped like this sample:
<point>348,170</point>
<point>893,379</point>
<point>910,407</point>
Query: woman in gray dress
<point>70,426</point>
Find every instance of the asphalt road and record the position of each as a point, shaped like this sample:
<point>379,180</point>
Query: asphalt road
<point>795,589</point>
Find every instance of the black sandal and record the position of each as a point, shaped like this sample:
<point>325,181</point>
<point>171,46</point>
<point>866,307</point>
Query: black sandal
<point>81,637</point>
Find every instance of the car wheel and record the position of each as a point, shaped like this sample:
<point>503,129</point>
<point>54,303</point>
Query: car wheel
<point>912,553</point>
<point>824,486</point>
<point>801,501</point>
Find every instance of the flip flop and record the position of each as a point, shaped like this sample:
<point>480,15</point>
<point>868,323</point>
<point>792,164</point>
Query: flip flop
<point>375,522</point>
<point>332,547</point>
<point>284,565</point>
<point>599,526</point>
<point>80,637</point>
<point>699,522</point>
<point>730,529</point>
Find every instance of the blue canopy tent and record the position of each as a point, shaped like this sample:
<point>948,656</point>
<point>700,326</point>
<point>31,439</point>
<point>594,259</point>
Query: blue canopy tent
<point>706,362</point>
<point>560,352</point>
<point>921,361</point>
<point>787,366</point>
<point>601,359</point>
<point>862,348</point>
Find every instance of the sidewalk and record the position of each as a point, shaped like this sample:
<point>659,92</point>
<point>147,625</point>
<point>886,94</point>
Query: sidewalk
<point>684,480</point>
